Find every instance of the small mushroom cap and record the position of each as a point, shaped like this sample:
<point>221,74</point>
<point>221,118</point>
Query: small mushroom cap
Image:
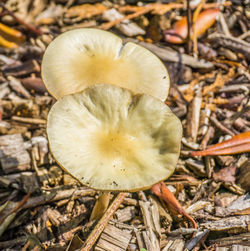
<point>111,140</point>
<point>84,57</point>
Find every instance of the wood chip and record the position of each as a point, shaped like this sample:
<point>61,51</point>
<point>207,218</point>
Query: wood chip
<point>237,224</point>
<point>151,220</point>
<point>13,155</point>
<point>175,245</point>
<point>113,238</point>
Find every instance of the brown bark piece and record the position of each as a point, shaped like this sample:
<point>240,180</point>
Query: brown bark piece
<point>244,176</point>
<point>241,239</point>
<point>18,87</point>
<point>237,224</point>
<point>23,69</point>
<point>125,214</point>
<point>196,166</point>
<point>13,155</point>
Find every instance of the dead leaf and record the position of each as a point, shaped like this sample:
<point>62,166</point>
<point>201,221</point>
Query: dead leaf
<point>237,144</point>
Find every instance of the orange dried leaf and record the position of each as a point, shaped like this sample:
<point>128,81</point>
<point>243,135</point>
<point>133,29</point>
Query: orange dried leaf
<point>180,30</point>
<point>174,206</point>
<point>237,144</point>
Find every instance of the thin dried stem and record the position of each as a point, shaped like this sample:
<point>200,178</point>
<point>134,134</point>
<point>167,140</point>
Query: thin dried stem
<point>107,26</point>
<point>195,17</point>
<point>103,222</point>
<point>189,23</point>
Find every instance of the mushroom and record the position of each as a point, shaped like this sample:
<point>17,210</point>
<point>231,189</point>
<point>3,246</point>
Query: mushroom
<point>112,140</point>
<point>85,57</point>
<point>109,138</point>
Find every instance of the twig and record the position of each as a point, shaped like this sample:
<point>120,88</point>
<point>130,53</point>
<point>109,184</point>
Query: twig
<point>56,195</point>
<point>35,30</point>
<point>17,207</point>
<point>189,23</point>
<point>207,137</point>
<point>195,16</point>
<point>224,25</point>
<point>169,55</point>
<point>232,43</point>
<point>220,126</point>
<point>161,9</point>
<point>28,120</point>
<point>193,116</point>
<point>103,222</point>
<point>5,221</point>
<point>244,35</point>
<point>107,26</point>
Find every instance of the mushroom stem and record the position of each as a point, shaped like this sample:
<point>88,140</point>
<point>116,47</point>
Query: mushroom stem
<point>101,206</point>
<point>103,222</point>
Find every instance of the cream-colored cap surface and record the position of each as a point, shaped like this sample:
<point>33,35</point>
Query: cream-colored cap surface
<point>83,57</point>
<point>111,140</point>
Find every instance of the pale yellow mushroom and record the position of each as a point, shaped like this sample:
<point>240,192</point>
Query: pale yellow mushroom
<point>81,58</point>
<point>112,140</point>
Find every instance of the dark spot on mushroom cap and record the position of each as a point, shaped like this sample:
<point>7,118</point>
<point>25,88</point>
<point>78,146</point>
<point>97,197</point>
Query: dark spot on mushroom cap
<point>164,77</point>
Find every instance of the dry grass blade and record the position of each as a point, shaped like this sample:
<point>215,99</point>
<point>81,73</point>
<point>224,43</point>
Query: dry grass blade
<point>11,32</point>
<point>7,44</point>
<point>237,144</point>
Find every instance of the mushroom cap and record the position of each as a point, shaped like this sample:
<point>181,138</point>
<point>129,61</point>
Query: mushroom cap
<point>112,140</point>
<point>83,57</point>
